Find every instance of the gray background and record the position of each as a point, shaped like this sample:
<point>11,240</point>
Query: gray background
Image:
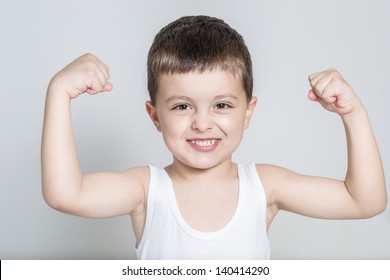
<point>288,40</point>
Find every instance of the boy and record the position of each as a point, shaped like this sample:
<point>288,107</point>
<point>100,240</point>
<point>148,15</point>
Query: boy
<point>204,206</point>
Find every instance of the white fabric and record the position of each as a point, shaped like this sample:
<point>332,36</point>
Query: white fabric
<point>168,236</point>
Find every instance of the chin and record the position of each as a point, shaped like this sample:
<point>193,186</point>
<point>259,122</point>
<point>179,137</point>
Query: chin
<point>202,164</point>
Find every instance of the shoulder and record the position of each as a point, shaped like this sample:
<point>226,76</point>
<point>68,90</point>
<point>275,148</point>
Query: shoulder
<point>273,178</point>
<point>272,174</point>
<point>139,176</point>
<point>141,173</point>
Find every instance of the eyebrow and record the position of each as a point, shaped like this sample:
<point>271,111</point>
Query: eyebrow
<point>221,96</point>
<point>189,99</point>
<point>181,97</point>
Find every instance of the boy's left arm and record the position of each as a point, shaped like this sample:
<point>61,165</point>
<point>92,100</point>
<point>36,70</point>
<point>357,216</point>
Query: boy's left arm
<point>363,192</point>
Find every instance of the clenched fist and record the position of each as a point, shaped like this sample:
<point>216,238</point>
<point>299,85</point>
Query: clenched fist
<point>334,94</point>
<point>86,74</point>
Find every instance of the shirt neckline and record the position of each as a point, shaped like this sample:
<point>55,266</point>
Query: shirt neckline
<point>201,234</point>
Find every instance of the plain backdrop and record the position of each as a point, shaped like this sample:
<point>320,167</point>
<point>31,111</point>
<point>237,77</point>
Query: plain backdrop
<point>288,41</point>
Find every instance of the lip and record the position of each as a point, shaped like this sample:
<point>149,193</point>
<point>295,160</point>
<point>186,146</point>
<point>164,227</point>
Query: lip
<point>204,145</point>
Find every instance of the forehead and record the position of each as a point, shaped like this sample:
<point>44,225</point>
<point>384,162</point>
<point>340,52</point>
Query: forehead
<point>207,84</point>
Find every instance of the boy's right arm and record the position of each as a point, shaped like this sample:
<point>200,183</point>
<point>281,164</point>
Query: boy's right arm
<point>64,187</point>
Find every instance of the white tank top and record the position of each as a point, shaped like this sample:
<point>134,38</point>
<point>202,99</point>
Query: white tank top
<point>168,236</point>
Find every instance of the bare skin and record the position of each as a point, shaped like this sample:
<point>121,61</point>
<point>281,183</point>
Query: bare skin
<point>210,113</point>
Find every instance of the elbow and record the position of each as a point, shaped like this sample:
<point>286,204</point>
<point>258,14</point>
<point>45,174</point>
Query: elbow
<point>57,201</point>
<point>54,201</point>
<point>375,208</point>
<point>382,205</point>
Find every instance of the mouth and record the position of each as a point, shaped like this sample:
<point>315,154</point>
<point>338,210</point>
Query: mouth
<point>204,145</point>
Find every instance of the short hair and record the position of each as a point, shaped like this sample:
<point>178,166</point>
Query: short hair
<point>198,43</point>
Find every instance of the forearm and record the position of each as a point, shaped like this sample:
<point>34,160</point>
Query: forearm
<point>365,179</point>
<point>61,175</point>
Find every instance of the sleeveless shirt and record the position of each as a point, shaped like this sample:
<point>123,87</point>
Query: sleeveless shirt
<point>168,236</point>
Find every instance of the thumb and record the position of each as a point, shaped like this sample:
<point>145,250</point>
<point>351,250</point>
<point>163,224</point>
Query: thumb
<point>312,96</point>
<point>107,87</point>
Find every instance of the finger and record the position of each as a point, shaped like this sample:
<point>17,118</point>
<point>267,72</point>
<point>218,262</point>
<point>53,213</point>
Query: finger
<point>99,65</point>
<point>107,87</point>
<point>322,100</point>
<point>312,96</point>
<point>330,92</point>
<point>321,84</point>
<point>316,77</point>
<point>102,76</point>
<point>313,78</point>
<point>91,91</point>
<point>321,81</point>
<point>97,86</point>
<point>105,70</point>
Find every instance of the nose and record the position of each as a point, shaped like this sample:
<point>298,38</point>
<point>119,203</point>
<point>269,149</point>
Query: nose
<point>202,121</point>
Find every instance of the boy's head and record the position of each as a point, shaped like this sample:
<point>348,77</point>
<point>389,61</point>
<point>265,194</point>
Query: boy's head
<point>198,43</point>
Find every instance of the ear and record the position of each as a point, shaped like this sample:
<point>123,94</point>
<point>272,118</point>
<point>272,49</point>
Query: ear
<point>152,112</point>
<point>249,111</point>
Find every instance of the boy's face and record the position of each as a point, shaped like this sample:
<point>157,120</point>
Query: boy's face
<point>202,116</point>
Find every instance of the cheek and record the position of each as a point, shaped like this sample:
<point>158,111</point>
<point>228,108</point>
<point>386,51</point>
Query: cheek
<point>171,126</point>
<point>232,124</point>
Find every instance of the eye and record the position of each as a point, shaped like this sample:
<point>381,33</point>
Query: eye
<point>182,107</point>
<point>222,106</point>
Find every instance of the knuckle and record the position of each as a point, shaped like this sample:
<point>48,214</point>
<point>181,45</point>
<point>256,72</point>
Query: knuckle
<point>336,81</point>
<point>332,70</point>
<point>89,56</point>
<point>334,73</point>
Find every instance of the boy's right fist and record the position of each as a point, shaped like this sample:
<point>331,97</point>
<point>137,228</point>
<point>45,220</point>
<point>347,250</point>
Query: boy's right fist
<point>86,74</point>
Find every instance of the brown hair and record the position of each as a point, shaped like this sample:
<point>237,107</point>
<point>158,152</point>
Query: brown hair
<point>198,43</point>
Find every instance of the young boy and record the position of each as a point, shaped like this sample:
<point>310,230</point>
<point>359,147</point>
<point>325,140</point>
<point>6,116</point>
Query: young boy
<point>203,205</point>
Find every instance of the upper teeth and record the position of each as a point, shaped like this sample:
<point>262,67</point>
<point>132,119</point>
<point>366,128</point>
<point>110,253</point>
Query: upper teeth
<point>205,143</point>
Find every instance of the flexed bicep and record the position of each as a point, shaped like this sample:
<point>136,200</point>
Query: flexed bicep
<point>311,196</point>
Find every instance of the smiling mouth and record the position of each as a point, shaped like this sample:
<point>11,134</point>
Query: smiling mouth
<point>204,143</point>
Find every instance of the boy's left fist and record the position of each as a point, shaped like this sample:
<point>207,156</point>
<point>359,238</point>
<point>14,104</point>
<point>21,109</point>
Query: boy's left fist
<point>331,90</point>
